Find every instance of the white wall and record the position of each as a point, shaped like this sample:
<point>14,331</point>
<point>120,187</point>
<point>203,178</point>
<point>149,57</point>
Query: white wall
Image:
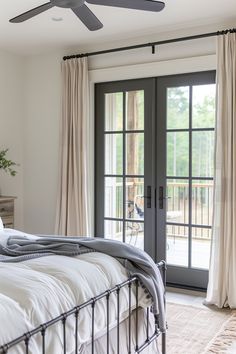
<point>41,142</point>
<point>11,126</point>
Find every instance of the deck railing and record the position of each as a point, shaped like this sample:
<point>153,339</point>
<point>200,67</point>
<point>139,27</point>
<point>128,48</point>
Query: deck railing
<point>178,211</point>
<point>200,213</point>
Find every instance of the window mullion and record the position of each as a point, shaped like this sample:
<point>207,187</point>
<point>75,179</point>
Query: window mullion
<point>124,165</point>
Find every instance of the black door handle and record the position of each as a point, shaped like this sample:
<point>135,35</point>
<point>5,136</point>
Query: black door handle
<point>161,197</point>
<point>148,197</point>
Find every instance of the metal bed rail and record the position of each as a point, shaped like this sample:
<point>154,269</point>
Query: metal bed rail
<point>42,329</point>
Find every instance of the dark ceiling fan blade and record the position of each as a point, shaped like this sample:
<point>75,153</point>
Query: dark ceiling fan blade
<point>145,5</point>
<point>88,18</point>
<point>31,13</point>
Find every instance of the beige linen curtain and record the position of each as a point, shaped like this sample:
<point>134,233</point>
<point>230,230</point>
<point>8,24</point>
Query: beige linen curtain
<point>72,215</point>
<point>222,276</point>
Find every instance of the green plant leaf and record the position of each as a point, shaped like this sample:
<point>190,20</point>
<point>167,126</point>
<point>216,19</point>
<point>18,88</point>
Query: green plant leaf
<point>6,165</point>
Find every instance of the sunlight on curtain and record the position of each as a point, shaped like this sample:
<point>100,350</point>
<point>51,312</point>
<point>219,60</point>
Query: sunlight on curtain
<point>222,280</point>
<point>72,216</point>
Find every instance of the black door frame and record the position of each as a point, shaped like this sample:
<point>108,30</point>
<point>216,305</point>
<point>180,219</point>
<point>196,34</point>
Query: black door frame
<point>155,155</point>
<point>177,275</point>
<point>148,85</point>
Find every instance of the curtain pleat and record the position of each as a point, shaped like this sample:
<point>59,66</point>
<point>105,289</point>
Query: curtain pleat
<point>222,274</point>
<point>72,215</point>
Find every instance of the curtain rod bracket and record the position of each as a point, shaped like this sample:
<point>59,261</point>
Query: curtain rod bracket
<point>153,49</point>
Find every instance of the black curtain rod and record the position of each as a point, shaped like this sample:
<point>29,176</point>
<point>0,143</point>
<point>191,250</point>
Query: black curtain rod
<point>151,44</point>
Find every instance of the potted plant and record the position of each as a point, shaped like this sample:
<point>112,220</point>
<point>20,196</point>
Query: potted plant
<point>5,164</point>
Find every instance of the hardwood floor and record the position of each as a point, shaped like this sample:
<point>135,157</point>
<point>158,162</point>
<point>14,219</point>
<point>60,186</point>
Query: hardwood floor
<point>185,297</point>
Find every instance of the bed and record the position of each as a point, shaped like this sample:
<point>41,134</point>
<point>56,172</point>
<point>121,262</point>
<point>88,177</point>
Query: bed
<point>88,303</point>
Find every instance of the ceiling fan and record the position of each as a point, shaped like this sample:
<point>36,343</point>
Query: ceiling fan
<point>85,14</point>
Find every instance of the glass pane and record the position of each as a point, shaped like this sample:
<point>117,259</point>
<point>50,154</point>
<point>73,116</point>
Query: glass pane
<point>134,234</point>
<point>135,110</point>
<point>178,154</point>
<point>203,154</point>
<point>178,107</point>
<point>114,230</point>
<point>204,106</point>
<point>135,198</point>
<point>114,111</point>
<point>177,245</point>
<point>113,154</point>
<point>113,197</point>
<point>178,201</point>
<point>201,245</point>
<point>202,202</point>
<point>135,154</point>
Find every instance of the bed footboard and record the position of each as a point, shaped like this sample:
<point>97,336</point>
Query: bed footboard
<point>74,313</point>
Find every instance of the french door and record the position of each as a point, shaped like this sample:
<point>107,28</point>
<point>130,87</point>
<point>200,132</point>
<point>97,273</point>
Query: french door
<point>185,127</point>
<point>154,169</point>
<point>125,172</point>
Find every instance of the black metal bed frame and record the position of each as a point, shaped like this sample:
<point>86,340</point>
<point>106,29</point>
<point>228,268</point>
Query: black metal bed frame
<point>42,329</point>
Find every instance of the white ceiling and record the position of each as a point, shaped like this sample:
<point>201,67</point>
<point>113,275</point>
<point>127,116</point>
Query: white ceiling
<point>41,33</point>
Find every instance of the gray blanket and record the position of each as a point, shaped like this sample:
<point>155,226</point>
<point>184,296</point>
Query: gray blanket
<point>136,261</point>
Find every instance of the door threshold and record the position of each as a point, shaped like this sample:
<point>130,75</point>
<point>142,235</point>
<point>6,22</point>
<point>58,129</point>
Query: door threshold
<point>184,289</point>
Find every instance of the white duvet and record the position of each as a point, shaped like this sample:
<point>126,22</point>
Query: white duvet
<point>37,290</point>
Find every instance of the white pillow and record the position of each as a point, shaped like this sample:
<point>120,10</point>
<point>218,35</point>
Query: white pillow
<point>1,225</point>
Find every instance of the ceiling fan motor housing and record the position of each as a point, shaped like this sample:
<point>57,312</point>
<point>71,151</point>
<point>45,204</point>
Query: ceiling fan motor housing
<point>67,3</point>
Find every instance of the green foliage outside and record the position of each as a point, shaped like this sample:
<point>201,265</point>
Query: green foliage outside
<point>5,164</point>
<point>118,126</point>
<point>203,116</point>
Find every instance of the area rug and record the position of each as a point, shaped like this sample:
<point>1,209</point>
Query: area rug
<point>225,340</point>
<point>199,330</point>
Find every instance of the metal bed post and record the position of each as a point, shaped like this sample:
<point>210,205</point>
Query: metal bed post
<point>108,320</point>
<point>76,331</point>
<point>136,310</point>
<point>130,312</point>
<point>64,332</point>
<point>118,318</point>
<point>27,339</point>
<point>162,265</point>
<point>93,324</point>
<point>43,333</point>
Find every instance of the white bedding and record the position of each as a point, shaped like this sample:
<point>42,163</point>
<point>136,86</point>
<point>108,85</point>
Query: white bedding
<point>37,290</point>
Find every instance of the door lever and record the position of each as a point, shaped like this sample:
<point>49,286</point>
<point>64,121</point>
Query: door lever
<point>148,197</point>
<point>161,197</point>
